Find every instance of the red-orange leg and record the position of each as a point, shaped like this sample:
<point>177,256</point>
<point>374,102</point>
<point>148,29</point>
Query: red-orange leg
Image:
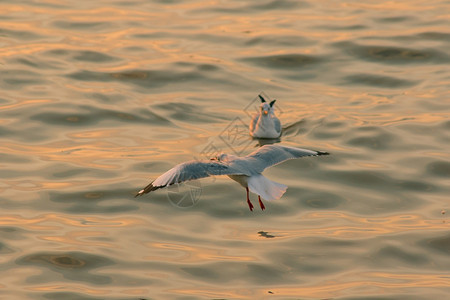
<point>250,205</point>
<point>261,204</point>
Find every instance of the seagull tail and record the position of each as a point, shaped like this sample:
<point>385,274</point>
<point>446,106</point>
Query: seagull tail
<point>267,189</point>
<point>150,187</point>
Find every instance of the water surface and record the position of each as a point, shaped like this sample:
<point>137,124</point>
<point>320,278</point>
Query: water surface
<point>100,97</point>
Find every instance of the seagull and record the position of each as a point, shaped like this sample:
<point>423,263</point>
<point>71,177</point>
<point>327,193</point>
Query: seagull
<point>265,124</point>
<point>244,170</point>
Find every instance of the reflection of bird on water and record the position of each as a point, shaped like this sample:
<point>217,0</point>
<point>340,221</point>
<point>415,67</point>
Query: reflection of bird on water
<point>265,124</point>
<point>244,170</point>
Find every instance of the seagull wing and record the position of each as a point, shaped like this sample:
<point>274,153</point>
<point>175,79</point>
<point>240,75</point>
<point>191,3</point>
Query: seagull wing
<point>253,123</point>
<point>189,171</point>
<point>277,124</point>
<point>269,155</point>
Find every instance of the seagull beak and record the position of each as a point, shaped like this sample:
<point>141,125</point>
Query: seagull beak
<point>266,112</point>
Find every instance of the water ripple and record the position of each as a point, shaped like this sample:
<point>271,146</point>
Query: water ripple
<point>286,61</point>
<point>101,97</point>
<point>261,6</point>
<point>77,266</point>
<point>149,79</point>
<point>379,81</point>
<point>393,55</point>
<point>83,56</point>
<point>88,115</point>
<point>84,26</point>
<point>13,79</point>
<point>20,34</point>
<point>440,243</point>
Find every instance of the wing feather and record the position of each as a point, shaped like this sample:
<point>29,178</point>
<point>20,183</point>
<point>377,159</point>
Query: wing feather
<point>277,124</point>
<point>253,123</point>
<point>270,155</point>
<point>189,171</point>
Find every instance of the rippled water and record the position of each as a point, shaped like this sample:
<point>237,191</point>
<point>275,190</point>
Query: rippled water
<point>99,97</point>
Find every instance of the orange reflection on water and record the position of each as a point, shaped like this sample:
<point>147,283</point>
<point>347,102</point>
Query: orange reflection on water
<point>362,284</point>
<point>366,283</point>
<point>363,110</point>
<point>25,103</point>
<point>104,149</point>
<point>323,224</point>
<point>106,293</point>
<point>38,222</point>
<point>403,6</point>
<point>29,185</point>
<point>27,49</point>
<point>209,293</point>
<point>193,254</point>
<point>69,287</point>
<point>80,238</point>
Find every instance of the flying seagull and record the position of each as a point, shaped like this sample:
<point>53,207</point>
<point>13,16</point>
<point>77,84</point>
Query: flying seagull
<point>265,124</point>
<point>244,170</point>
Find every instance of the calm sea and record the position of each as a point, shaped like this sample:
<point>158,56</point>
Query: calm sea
<point>98,98</point>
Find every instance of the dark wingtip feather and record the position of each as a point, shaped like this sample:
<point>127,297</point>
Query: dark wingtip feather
<point>322,153</point>
<point>262,99</point>
<point>150,187</point>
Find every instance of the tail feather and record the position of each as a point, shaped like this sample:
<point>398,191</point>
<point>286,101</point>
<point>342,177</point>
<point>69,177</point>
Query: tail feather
<point>267,189</point>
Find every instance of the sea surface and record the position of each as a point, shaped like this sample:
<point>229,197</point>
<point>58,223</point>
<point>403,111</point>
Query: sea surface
<point>98,98</point>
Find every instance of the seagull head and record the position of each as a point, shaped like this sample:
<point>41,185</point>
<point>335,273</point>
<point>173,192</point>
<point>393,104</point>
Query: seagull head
<point>266,109</point>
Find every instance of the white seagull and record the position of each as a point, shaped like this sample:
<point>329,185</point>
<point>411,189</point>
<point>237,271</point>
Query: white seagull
<point>244,170</point>
<point>265,124</point>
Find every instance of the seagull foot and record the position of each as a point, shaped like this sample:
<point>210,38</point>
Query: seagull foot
<point>261,204</point>
<point>250,205</point>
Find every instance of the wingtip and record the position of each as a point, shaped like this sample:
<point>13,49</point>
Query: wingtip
<point>322,153</point>
<point>140,193</point>
<point>149,188</point>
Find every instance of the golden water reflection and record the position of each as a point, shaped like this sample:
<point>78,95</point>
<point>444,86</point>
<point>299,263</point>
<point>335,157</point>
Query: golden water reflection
<point>102,94</point>
<point>193,254</point>
<point>373,283</point>
<point>365,284</point>
<point>323,224</point>
<point>64,287</point>
<point>38,222</point>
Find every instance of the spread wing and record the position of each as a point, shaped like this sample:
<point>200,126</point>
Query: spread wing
<point>269,155</point>
<point>189,171</point>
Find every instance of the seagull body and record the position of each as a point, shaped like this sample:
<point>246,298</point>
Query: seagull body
<point>265,124</point>
<point>244,170</point>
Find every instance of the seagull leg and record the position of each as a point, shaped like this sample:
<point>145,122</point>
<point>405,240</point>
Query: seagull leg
<point>250,205</point>
<point>261,204</point>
